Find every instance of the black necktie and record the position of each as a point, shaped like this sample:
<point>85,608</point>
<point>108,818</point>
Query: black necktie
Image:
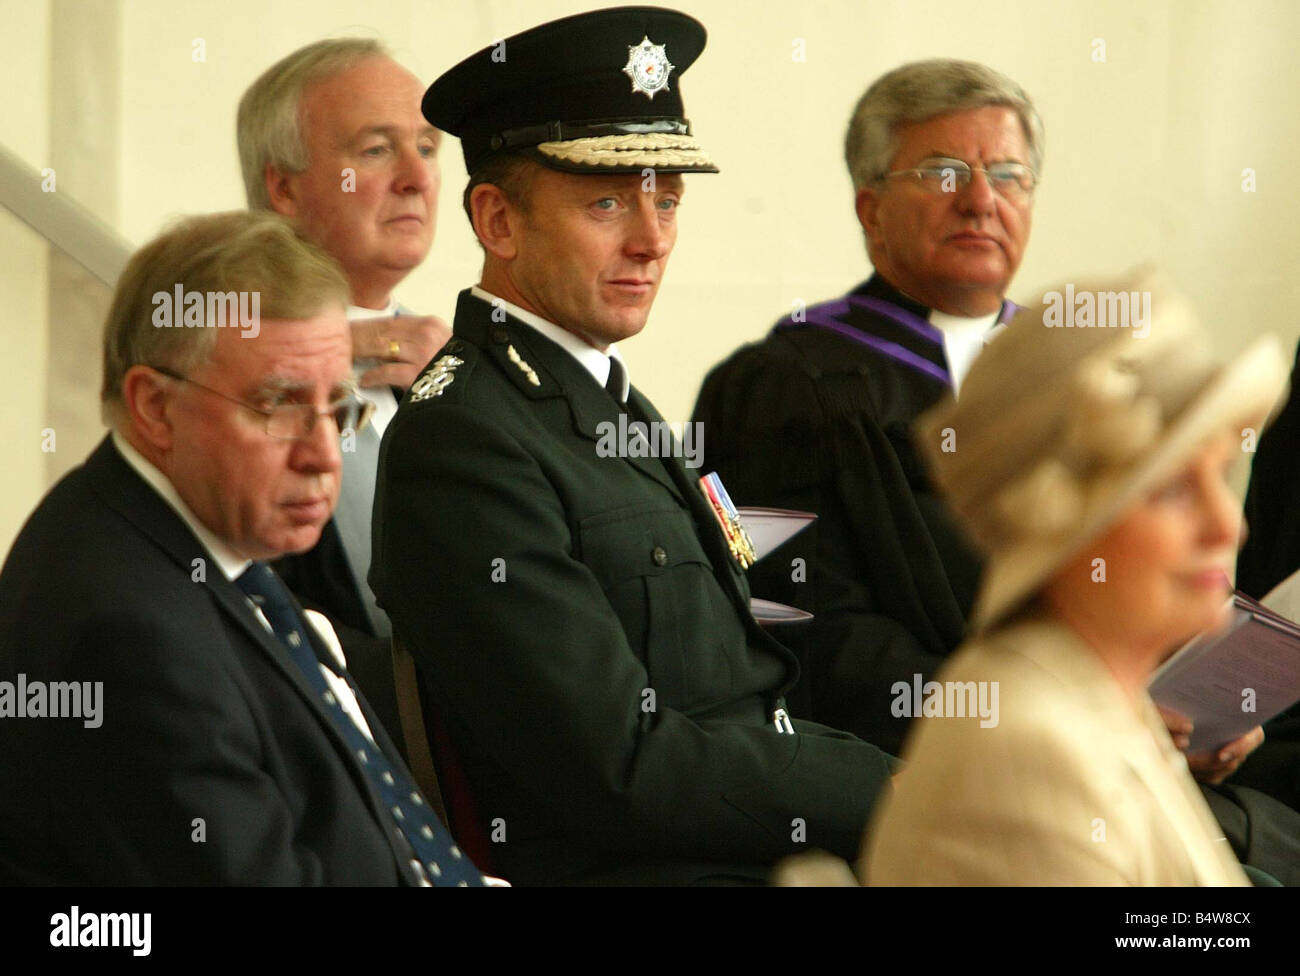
<point>617,377</point>
<point>440,860</point>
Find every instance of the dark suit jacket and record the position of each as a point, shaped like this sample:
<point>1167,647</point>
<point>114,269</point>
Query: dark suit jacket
<point>204,716</point>
<point>612,582</point>
<point>810,419</point>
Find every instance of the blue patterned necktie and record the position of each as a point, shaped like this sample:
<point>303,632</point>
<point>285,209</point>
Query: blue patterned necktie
<point>439,860</point>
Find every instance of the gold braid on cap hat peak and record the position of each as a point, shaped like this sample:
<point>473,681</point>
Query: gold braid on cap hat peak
<point>647,148</point>
<point>1108,424</point>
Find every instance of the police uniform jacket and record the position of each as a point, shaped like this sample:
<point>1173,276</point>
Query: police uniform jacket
<point>584,634</point>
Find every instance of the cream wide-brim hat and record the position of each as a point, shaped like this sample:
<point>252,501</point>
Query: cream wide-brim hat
<point>1051,456</point>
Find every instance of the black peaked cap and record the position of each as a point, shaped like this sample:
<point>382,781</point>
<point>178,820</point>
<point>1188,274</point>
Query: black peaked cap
<point>600,91</point>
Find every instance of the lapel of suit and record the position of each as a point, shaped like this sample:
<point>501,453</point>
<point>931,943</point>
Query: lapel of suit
<point>131,497</point>
<point>596,416</point>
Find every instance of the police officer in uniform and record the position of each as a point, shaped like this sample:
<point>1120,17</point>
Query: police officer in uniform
<point>579,623</point>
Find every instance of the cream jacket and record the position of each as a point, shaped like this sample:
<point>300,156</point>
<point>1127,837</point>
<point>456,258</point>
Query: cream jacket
<point>1074,785</point>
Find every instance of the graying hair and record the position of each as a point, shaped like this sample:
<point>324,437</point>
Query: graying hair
<point>225,253</point>
<point>919,91</point>
<point>268,127</point>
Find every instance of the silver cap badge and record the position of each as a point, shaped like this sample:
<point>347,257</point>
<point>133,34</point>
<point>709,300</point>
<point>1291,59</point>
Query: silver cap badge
<point>648,67</point>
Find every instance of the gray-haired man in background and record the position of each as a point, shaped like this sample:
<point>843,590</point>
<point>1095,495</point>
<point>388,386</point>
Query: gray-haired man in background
<point>944,157</point>
<point>332,137</point>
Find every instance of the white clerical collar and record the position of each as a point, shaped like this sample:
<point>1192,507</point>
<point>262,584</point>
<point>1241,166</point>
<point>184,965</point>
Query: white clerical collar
<point>231,563</point>
<point>946,323</point>
<point>963,339</point>
<point>590,358</point>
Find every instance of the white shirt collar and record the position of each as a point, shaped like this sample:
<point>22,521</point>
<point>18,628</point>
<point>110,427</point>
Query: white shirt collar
<point>356,313</point>
<point>963,339</point>
<point>232,564</point>
<point>590,358</point>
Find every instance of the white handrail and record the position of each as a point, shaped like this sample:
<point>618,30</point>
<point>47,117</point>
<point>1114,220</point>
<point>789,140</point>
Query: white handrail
<point>88,240</point>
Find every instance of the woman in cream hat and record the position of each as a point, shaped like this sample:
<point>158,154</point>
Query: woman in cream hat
<point>1087,458</point>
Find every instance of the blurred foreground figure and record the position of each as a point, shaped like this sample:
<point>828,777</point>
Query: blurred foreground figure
<point>1089,465</point>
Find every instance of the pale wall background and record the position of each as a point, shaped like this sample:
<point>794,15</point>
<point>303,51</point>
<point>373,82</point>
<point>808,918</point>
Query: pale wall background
<point>1145,158</point>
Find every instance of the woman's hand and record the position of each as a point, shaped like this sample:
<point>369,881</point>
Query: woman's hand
<point>1214,765</point>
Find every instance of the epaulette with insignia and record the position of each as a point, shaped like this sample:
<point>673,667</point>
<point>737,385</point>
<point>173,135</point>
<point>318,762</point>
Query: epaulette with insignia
<point>441,373</point>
